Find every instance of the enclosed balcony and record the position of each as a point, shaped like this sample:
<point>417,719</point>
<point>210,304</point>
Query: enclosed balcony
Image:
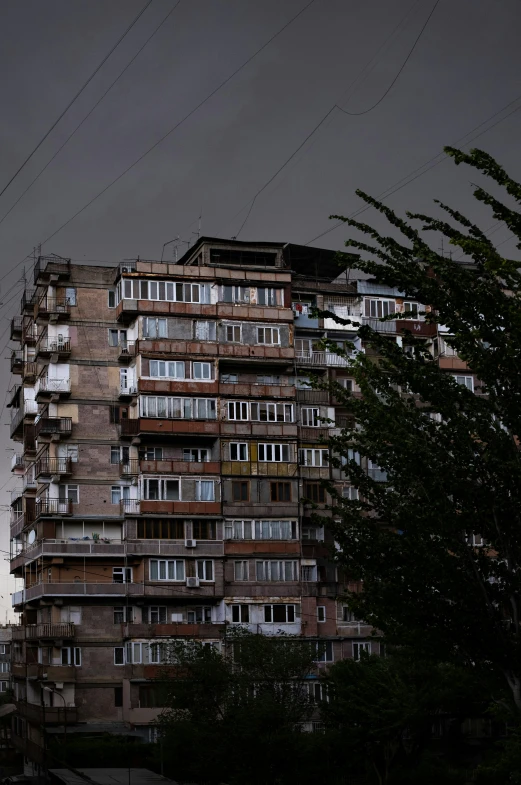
<point>49,427</point>
<point>46,388</point>
<point>29,372</point>
<point>53,467</point>
<point>133,507</point>
<point>166,427</point>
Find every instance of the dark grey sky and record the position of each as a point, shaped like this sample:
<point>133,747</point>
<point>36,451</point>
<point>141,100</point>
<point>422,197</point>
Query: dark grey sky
<point>465,68</point>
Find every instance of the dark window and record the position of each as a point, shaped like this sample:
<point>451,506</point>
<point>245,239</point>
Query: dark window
<point>203,530</point>
<point>315,492</point>
<point>280,491</point>
<point>240,491</point>
<point>241,613</point>
<point>118,697</point>
<point>161,529</point>
<point>151,697</point>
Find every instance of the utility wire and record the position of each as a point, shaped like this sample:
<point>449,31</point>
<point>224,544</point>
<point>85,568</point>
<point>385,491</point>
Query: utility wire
<point>180,122</point>
<point>107,91</point>
<point>322,121</point>
<point>366,111</point>
<point>80,91</point>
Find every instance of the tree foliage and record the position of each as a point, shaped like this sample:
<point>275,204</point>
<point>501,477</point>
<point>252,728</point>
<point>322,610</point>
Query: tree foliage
<point>451,455</point>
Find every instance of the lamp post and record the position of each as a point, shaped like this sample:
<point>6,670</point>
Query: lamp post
<point>55,692</point>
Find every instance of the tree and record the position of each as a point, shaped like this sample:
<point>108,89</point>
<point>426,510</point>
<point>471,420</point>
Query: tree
<point>451,455</point>
<point>236,717</point>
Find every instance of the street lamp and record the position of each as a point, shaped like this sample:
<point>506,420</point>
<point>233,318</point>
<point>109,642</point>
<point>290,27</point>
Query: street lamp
<point>55,692</point>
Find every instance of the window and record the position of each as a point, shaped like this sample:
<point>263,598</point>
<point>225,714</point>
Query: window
<point>377,309</point>
<point>268,336</point>
<point>414,308</point>
<point>168,370</point>
<point>261,530</point>
<point>241,614</point>
<point>308,572</point>
<point>5,667</point>
<point>119,455</point>
<point>303,349</point>
<point>466,381</point>
<point>347,614</point>
<point>151,454</point>
<point>269,296</point>
<point>324,651</point>
<point>200,615</point>
<point>347,384</point>
<point>204,569</point>
<point>276,570</point>
<point>359,649</point>
<point>272,412</point>
<point>280,613</point>
<point>348,492</point>
<point>317,692</point>
<point>119,655</point>
<point>117,337</point>
<point>123,614</point>
<point>280,491</point>
<point>271,379</point>
<point>203,530</point>
<point>204,491</point>
<point>376,472</point>
<point>161,489</point>
<point>3,686</point>
<point>310,417</point>
<point>155,614</point>
<point>238,451</point>
<point>169,291</point>
<point>122,575</point>
<point>352,455</point>
<point>68,492</point>
<point>321,613</point>
<point>160,529</point>
<point>178,408</point>
<point>238,410</point>
<point>2,648</point>
<point>315,492</point>
<point>71,655</point>
<point>119,493</point>
<point>70,295</point>
<point>230,378</point>
<point>202,371</point>
<point>167,570</point>
<point>154,328</point>
<point>241,572</point>
<point>195,456</point>
<point>233,333</point>
<point>273,452</point>
<point>236,294</point>
<point>314,458</point>
<point>111,298</point>
<point>204,331</point>
<point>118,697</point>
<point>240,490</point>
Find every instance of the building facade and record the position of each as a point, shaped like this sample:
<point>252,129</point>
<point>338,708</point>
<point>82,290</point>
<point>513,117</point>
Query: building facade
<point>171,453</point>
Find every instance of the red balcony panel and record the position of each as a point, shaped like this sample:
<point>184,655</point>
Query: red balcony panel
<point>179,467</point>
<point>244,547</point>
<point>423,329</point>
<point>210,427</point>
<point>184,387</point>
<point>148,506</point>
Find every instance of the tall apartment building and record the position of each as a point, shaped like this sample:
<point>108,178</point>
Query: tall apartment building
<point>169,443</point>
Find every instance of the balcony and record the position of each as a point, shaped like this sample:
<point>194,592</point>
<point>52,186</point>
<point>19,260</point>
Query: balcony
<point>126,350</point>
<point>17,464</point>
<point>179,467</point>
<point>53,715</point>
<point>312,396</point>
<point>380,327</point>
<point>29,478</point>
<point>46,388</point>
<point>16,493</point>
<point>29,409</point>
<point>53,467</point>
<point>52,507</point>
<point>71,547</point>
<point>133,507</point>
<point>35,631</point>
<point>16,328</point>
<point>49,427</point>
<point>49,269</point>
<point>127,391</point>
<point>53,348</point>
<point>28,301</point>
<point>324,359</point>
<point>53,308</point>
<point>241,390</point>
<point>18,522</point>
<point>165,427</point>
<point>29,372</point>
<point>259,468</point>
<point>17,361</point>
<point>76,589</point>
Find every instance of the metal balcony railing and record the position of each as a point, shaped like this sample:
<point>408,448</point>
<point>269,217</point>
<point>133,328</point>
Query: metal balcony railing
<point>17,361</point>
<point>29,408</point>
<point>378,326</point>
<point>45,507</point>
<point>130,506</point>
<point>50,265</point>
<point>16,493</point>
<point>129,468</point>
<point>46,385</point>
<point>47,426</point>
<point>130,389</point>
<point>54,305</point>
<point>16,328</point>
<point>65,630</point>
<point>320,358</point>
<point>17,462</point>
<point>51,466</point>
<point>126,267</point>
<point>28,299</point>
<point>130,427</point>
<point>58,345</point>
<point>127,349</point>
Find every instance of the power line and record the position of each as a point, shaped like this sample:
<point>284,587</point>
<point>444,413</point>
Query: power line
<point>366,111</point>
<point>49,162</point>
<point>181,122</point>
<point>80,91</point>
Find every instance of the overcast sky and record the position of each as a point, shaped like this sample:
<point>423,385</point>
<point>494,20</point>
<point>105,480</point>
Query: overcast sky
<point>464,69</point>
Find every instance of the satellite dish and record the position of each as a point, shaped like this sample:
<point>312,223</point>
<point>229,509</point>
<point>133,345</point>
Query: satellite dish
<point>32,536</point>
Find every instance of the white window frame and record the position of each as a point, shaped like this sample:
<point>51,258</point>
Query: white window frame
<point>273,452</point>
<point>238,411</point>
<point>167,369</point>
<point>164,567</point>
<point>66,495</point>
<point>275,570</point>
<point>311,456</point>
<point>266,411</point>
<point>410,305</point>
<point>310,417</point>
<point>290,612</point>
<point>162,485</point>
<point>241,568</point>
<point>210,485</point>
<point>126,574</point>
<point>233,332</point>
<point>239,451</point>
<point>321,614</point>
<point>72,655</point>
<point>154,327</point>
<point>165,291</point>
<point>196,455</point>
<point>359,647</point>
<point>324,655</point>
<point>378,307</point>
<point>202,371</point>
<point>126,612</point>
<point>205,570</point>
<point>261,529</point>
<point>268,336</point>
<point>465,381</point>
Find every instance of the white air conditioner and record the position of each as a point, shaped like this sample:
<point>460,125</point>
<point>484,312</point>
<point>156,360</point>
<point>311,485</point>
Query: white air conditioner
<point>190,543</point>
<point>125,269</point>
<point>192,583</point>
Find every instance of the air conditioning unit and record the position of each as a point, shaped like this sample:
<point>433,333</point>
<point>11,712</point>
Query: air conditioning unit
<point>192,583</point>
<point>190,543</point>
<point>125,269</point>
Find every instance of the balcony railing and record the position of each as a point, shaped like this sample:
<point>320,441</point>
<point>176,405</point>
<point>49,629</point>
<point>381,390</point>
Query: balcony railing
<point>17,462</point>
<point>29,409</point>
<point>169,507</point>
<point>127,350</point>
<point>129,468</point>
<point>129,427</point>
<point>130,389</point>
<point>312,396</point>
<point>16,493</point>
<point>378,326</point>
<point>48,426</point>
<point>65,630</point>
<point>28,299</point>
<point>16,328</point>
<point>53,507</point>
<point>47,386</point>
<point>50,265</point>
<point>321,358</point>
<point>29,477</point>
<point>48,714</point>
<point>53,466</point>
<point>59,345</point>
<point>17,361</point>
<point>48,306</point>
